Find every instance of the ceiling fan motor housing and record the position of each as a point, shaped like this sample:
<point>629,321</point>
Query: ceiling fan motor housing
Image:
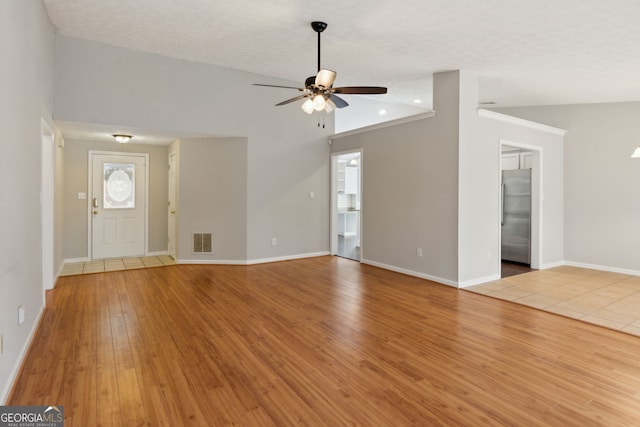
<point>318,26</point>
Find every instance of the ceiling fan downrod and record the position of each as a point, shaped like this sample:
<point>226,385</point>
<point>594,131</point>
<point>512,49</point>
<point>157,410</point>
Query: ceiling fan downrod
<point>318,27</point>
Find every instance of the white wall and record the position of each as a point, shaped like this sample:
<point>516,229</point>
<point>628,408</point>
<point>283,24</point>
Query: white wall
<point>26,85</point>
<point>287,153</point>
<point>602,183</point>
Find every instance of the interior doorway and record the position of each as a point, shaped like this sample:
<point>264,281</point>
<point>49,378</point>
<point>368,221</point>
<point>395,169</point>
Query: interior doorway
<point>346,218</point>
<point>118,183</point>
<point>519,209</point>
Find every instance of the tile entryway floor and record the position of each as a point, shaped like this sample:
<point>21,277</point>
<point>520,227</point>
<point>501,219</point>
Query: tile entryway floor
<point>603,298</point>
<point>116,264</point>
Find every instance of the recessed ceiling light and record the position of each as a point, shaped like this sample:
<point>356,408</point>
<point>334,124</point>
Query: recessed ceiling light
<point>382,112</point>
<point>417,101</point>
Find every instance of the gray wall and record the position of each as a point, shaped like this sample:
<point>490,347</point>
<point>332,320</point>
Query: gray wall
<point>435,184</point>
<point>602,191</point>
<point>410,188</point>
<point>213,197</point>
<point>287,153</point>
<point>76,163</point>
<point>26,85</point>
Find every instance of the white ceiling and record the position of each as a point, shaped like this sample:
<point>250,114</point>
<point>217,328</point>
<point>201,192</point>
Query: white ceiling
<point>526,52</point>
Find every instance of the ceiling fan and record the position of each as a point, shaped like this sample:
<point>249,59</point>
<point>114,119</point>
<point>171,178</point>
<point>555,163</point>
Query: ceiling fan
<point>318,90</point>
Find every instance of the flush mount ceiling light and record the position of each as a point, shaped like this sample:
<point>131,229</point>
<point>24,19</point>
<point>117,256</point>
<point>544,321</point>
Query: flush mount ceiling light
<point>636,153</point>
<point>121,138</point>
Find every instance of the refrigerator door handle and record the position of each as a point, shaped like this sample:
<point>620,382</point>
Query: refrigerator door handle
<point>502,204</point>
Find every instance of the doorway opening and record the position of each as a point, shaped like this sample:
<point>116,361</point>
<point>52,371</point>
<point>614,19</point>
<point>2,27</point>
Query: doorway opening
<point>519,209</point>
<point>346,218</point>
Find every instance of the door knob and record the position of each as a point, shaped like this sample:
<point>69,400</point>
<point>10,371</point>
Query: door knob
<point>173,212</point>
<point>95,212</point>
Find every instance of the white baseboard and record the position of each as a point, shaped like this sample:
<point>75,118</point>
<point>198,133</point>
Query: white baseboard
<point>603,268</point>
<point>76,260</point>
<point>158,253</point>
<point>286,258</point>
<point>16,369</point>
<point>411,273</point>
<point>211,261</point>
<point>250,261</point>
<point>552,265</point>
<point>479,280</point>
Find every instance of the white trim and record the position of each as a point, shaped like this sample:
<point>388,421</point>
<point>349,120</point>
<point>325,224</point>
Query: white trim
<point>16,368</point>
<point>387,124</point>
<point>76,260</point>
<point>552,265</point>
<point>537,200</point>
<point>157,253</point>
<point>47,202</point>
<point>411,273</point>
<point>520,122</point>
<point>603,268</point>
<point>286,258</point>
<point>333,223</point>
<point>90,188</point>
<point>211,262</point>
<point>479,281</point>
<point>250,261</point>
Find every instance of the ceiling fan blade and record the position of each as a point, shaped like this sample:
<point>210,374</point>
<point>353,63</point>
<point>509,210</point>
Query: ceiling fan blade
<point>360,90</point>
<point>325,78</point>
<point>284,87</point>
<point>340,103</point>
<point>289,101</point>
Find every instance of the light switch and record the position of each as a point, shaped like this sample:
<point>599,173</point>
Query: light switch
<point>312,195</point>
<point>82,196</point>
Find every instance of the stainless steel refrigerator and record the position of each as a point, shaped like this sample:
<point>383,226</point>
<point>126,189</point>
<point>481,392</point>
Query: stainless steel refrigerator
<point>516,215</point>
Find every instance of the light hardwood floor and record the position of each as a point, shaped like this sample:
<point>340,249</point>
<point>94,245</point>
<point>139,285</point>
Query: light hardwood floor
<point>317,342</point>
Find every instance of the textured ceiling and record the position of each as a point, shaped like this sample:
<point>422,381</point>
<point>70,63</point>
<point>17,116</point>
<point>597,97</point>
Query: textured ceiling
<point>526,52</point>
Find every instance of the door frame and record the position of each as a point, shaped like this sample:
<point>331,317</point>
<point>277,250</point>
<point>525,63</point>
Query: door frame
<point>536,201</point>
<point>90,196</point>
<point>333,223</point>
<point>47,200</point>
<point>173,156</point>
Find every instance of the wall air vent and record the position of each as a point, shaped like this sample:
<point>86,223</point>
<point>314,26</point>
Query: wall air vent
<point>202,243</point>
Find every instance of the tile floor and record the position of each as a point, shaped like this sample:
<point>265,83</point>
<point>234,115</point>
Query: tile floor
<point>116,264</point>
<point>606,299</point>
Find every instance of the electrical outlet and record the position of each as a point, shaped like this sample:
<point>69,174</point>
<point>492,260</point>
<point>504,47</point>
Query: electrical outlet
<point>274,242</point>
<point>21,315</point>
<point>419,252</point>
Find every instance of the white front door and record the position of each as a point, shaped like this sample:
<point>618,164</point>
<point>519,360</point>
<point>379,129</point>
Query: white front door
<point>171,243</point>
<point>118,205</point>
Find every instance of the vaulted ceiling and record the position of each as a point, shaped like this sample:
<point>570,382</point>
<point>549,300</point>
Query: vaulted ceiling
<point>526,52</point>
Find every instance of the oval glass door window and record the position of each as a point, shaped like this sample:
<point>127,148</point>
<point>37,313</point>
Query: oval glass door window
<point>119,185</point>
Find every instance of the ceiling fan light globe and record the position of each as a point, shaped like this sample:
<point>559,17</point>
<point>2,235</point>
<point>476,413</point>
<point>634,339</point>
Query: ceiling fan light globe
<point>307,106</point>
<point>329,106</point>
<point>319,103</point>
